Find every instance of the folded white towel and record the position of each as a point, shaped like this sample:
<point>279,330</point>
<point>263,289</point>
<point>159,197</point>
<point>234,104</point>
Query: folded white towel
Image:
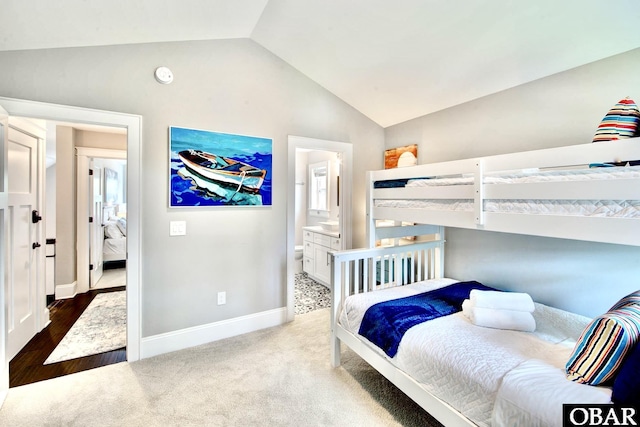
<point>502,300</point>
<point>501,319</point>
<point>466,308</point>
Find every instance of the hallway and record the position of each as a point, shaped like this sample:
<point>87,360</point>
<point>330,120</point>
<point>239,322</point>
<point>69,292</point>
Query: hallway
<point>28,365</point>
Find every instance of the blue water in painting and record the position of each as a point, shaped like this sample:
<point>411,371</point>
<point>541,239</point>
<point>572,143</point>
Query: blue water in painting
<point>251,150</point>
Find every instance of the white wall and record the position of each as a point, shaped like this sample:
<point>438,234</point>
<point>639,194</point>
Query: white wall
<point>303,217</point>
<point>302,187</point>
<point>120,167</point>
<point>230,86</point>
<point>331,157</point>
<point>562,109</point>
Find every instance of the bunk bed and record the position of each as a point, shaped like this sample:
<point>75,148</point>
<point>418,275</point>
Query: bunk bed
<point>587,192</point>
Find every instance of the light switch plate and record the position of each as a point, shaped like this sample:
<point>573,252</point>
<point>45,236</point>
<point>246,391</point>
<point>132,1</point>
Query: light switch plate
<point>177,228</point>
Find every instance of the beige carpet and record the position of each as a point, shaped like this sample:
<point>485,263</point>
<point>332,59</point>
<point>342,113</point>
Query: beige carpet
<point>275,377</point>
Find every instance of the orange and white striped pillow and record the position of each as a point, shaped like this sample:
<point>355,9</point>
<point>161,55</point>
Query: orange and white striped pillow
<point>632,299</point>
<point>622,121</point>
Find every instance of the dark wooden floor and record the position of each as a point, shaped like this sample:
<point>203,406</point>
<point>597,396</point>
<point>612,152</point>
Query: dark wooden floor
<point>28,365</point>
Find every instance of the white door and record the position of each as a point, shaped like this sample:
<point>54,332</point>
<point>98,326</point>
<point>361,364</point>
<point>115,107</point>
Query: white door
<point>21,246</point>
<point>95,226</point>
<point>4,361</point>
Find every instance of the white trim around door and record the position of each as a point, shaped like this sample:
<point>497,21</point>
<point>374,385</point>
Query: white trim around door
<point>83,156</point>
<point>133,125</point>
<point>346,180</point>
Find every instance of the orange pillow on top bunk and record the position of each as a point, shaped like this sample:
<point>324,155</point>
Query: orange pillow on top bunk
<point>622,121</point>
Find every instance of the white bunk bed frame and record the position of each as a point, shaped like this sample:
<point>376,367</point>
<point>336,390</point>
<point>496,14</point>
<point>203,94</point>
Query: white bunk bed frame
<point>607,230</point>
<point>355,271</point>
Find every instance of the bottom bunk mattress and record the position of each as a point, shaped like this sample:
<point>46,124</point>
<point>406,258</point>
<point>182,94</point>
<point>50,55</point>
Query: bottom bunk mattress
<point>467,365</point>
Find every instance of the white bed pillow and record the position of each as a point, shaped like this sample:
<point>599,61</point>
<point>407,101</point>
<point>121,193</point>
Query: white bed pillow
<point>121,223</point>
<point>111,231</point>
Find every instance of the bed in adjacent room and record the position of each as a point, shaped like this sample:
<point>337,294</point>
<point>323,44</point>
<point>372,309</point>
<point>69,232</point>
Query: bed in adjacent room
<point>114,248</point>
<point>467,363</point>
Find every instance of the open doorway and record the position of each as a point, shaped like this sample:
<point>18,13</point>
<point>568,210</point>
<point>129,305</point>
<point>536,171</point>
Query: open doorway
<point>133,125</point>
<point>318,217</point>
<point>86,210</point>
<point>108,229</point>
<point>317,226</point>
<point>101,209</point>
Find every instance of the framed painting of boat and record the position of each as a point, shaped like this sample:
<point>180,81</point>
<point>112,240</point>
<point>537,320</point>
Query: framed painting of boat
<point>218,169</point>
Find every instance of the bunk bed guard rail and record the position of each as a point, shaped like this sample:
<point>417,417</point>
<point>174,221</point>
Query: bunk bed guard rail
<point>364,270</point>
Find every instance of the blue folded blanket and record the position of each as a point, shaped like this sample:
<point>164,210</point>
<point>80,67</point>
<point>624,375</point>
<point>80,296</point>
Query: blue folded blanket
<point>385,323</point>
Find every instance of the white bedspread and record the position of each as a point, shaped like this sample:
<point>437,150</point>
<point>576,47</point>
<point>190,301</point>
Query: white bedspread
<point>466,365</point>
<point>591,174</point>
<point>590,208</point>
<point>533,392</point>
<point>115,249</point>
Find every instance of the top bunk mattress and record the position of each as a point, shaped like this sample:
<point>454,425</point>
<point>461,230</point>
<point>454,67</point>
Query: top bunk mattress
<point>541,206</point>
<point>466,365</point>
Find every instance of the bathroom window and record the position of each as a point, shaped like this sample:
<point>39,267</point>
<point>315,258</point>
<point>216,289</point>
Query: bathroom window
<point>319,188</point>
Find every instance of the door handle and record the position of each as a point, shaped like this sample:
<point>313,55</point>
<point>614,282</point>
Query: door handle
<point>36,245</point>
<point>35,216</point>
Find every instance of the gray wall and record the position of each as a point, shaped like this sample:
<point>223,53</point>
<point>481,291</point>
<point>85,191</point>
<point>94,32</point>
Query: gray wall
<point>92,139</point>
<point>232,86</point>
<point>65,206</point>
<point>563,109</point>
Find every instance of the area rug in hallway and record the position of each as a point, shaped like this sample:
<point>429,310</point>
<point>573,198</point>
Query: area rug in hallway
<point>310,295</point>
<point>102,327</point>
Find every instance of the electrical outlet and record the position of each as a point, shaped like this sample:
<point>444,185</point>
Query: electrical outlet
<point>222,298</point>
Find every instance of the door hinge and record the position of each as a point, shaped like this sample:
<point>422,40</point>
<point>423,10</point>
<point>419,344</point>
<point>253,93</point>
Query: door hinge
<point>90,172</point>
<point>90,219</point>
<point>90,267</point>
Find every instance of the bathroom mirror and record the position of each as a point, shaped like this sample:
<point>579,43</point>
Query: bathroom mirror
<point>319,187</point>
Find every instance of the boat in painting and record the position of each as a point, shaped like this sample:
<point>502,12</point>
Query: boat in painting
<point>223,170</point>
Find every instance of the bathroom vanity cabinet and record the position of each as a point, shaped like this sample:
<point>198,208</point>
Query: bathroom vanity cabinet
<point>317,245</point>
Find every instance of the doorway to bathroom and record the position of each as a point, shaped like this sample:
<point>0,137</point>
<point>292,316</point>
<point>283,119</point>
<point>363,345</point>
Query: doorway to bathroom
<point>318,218</point>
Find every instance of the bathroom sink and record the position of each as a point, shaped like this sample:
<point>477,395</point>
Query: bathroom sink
<point>330,225</point>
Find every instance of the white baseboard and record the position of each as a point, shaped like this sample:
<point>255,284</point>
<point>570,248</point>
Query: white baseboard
<point>66,291</point>
<point>191,337</point>
<point>46,319</point>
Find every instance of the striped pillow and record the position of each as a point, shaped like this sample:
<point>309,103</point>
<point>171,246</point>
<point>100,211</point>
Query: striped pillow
<point>603,345</point>
<point>631,299</point>
<point>622,121</point>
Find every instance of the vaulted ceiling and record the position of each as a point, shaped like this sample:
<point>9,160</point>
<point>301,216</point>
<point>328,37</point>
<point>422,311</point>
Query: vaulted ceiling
<point>391,60</point>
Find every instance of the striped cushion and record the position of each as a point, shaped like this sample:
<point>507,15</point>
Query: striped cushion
<point>631,299</point>
<point>603,345</point>
<point>622,121</point>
